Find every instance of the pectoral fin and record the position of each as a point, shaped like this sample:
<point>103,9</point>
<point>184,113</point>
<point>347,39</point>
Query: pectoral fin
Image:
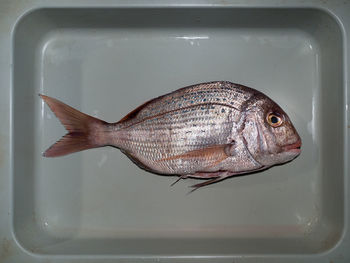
<point>212,155</point>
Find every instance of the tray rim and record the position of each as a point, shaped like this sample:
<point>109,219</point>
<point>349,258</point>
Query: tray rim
<point>25,9</point>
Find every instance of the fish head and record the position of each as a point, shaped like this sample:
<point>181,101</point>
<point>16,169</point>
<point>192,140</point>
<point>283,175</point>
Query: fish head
<point>268,132</point>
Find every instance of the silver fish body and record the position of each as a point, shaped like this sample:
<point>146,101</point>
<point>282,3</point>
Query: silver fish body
<point>210,130</point>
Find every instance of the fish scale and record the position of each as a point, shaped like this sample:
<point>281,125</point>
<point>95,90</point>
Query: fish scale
<point>227,94</point>
<point>173,124</point>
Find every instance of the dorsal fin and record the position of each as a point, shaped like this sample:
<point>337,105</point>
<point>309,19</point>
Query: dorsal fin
<point>134,112</point>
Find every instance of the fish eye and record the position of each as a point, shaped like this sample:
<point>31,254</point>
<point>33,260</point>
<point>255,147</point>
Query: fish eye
<point>274,120</point>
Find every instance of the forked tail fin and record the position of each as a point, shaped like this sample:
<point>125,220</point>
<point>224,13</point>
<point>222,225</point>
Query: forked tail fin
<point>84,131</point>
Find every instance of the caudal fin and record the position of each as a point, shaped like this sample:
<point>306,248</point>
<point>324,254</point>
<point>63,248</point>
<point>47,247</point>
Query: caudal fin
<point>84,131</point>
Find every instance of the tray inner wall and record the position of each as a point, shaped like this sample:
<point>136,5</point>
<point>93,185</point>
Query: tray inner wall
<point>106,62</point>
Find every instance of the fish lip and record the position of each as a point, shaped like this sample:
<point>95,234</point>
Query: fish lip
<point>294,147</point>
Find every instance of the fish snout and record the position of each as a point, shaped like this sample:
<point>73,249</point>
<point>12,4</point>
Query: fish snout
<point>294,147</point>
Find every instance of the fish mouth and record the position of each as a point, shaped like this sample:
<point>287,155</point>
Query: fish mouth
<point>294,147</point>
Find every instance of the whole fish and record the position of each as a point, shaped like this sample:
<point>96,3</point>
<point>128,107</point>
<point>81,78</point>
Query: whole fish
<point>210,131</point>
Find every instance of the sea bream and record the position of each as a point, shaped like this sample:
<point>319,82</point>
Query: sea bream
<point>209,131</point>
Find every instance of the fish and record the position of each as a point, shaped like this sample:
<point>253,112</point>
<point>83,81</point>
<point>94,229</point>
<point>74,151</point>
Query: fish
<point>209,131</point>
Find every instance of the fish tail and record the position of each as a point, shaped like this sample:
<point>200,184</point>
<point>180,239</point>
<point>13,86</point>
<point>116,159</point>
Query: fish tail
<point>84,131</point>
